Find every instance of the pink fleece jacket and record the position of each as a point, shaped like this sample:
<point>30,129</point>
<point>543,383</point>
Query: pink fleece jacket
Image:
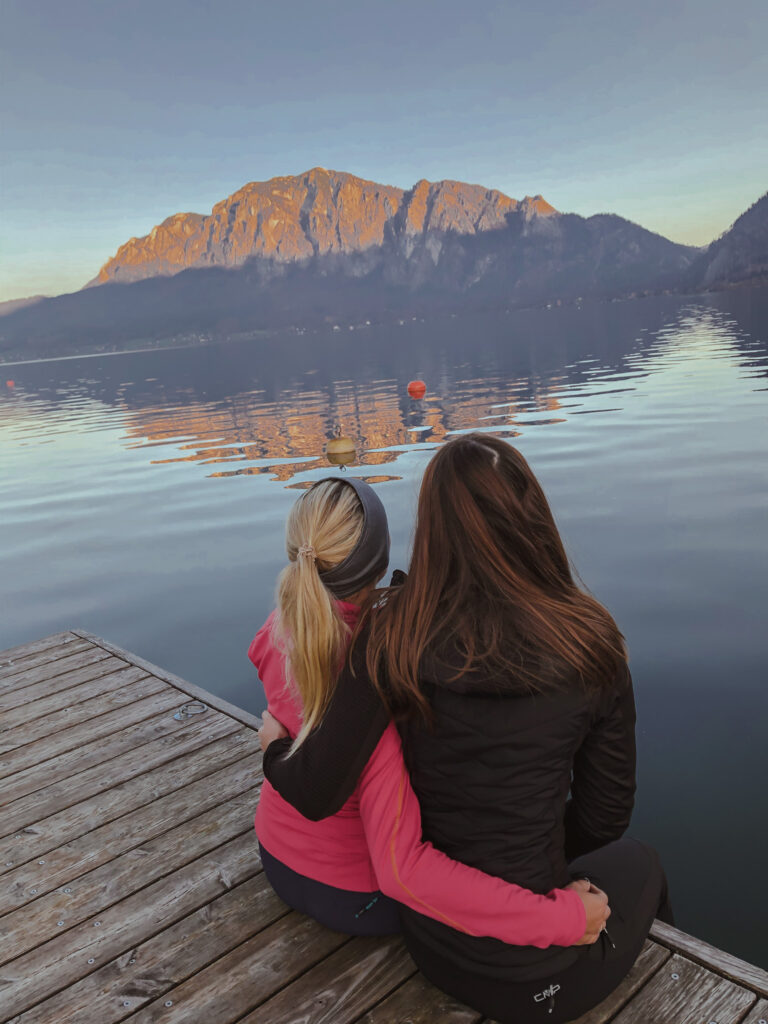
<point>374,841</point>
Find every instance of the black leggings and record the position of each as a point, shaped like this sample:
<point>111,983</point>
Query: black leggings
<point>631,874</point>
<point>355,913</point>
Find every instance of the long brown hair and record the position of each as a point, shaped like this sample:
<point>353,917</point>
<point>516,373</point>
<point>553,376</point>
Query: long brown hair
<point>489,578</point>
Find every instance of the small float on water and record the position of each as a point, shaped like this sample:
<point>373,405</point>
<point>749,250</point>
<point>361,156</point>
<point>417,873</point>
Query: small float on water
<point>341,451</point>
<point>417,389</point>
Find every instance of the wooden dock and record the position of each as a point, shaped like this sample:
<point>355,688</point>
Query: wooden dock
<point>132,888</point>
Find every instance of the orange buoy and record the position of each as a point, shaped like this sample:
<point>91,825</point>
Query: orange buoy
<point>10,384</point>
<point>340,451</point>
<point>417,389</point>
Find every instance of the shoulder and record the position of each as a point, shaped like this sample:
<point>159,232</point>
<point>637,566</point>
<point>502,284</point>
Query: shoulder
<point>263,642</point>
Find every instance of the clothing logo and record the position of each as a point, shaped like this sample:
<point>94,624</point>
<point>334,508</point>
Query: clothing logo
<point>548,993</point>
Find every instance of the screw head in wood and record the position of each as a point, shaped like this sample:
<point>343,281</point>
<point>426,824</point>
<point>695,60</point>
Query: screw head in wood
<point>97,924</point>
<point>91,961</point>
<point>33,891</point>
<point>131,961</point>
<point>126,1003</point>
<point>41,862</point>
<point>67,890</point>
<point>59,923</point>
<point>169,1002</point>
<point>675,976</point>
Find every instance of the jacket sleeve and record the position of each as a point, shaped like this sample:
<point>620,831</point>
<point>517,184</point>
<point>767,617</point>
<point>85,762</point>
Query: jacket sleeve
<point>603,783</point>
<point>321,776</point>
<point>415,873</point>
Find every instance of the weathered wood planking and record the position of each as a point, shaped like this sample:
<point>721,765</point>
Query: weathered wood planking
<point>683,992</point>
<point>12,656</point>
<point>31,881</point>
<point>342,987</point>
<point>119,696</point>
<point>133,887</point>
<point>152,968</point>
<point>715,959</point>
<point>63,960</point>
<point>12,672</point>
<point>78,819</point>
<point>419,1002</point>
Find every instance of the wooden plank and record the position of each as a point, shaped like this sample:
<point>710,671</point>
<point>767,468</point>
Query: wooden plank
<point>709,956</point>
<point>118,696</point>
<point>683,992</point>
<point>60,703</point>
<point>63,960</point>
<point>419,1002</point>
<point>61,866</point>
<point>247,976</point>
<point>342,987</point>
<point>148,700</point>
<point>12,671</point>
<point>138,749</point>
<point>150,969</point>
<point>651,959</point>
<point>90,665</point>
<point>90,894</point>
<point>758,1014</point>
<point>113,735</point>
<point>13,654</point>
<point>121,799</point>
<point>196,692</point>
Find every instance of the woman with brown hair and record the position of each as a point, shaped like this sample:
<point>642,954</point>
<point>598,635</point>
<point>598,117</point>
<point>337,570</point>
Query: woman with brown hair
<point>510,688</point>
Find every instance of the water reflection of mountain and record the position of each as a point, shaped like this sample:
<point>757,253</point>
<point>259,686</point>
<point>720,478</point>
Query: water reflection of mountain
<point>256,407</point>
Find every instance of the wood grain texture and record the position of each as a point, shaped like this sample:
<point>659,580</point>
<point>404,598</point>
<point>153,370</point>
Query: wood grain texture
<point>72,822</point>
<point>57,703</point>
<point>342,987</point>
<point>62,780</point>
<point>419,1002</point>
<point>152,968</point>
<point>12,671</point>
<point>682,992</point>
<point>68,865</point>
<point>124,687</point>
<point>709,956</point>
<point>14,761</point>
<point>247,976</point>
<point>650,960</point>
<point>758,1014</point>
<point>111,731</point>
<point>59,676</point>
<point>11,655</point>
<point>63,960</point>
<point>25,928</point>
<point>195,692</point>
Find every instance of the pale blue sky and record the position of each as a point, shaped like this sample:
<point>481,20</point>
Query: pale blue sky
<point>116,115</point>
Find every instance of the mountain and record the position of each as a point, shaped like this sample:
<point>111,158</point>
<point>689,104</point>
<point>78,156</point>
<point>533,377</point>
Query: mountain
<point>740,255</point>
<point>314,214</point>
<point>326,247</point>
<point>12,304</point>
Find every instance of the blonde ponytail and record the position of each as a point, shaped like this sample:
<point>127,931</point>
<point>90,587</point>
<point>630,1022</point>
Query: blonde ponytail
<point>323,528</point>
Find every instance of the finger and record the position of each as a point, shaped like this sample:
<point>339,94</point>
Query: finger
<point>582,884</point>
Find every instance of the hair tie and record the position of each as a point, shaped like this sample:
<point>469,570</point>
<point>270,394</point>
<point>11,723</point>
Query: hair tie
<point>307,551</point>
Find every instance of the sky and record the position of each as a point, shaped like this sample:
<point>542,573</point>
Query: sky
<point>114,116</point>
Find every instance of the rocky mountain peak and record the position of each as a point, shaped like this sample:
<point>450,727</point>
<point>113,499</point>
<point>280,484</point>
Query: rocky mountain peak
<point>295,218</point>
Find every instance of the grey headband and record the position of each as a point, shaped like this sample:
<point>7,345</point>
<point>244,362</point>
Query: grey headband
<point>368,560</point>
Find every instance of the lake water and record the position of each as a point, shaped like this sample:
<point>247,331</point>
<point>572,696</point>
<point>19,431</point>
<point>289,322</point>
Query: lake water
<point>143,497</point>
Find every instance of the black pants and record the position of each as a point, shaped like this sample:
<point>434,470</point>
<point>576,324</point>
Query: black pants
<point>354,913</point>
<point>631,874</point>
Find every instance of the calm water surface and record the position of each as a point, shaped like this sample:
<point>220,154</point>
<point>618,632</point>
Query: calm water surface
<point>143,497</point>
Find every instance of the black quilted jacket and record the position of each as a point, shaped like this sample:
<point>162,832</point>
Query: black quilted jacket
<point>493,773</point>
